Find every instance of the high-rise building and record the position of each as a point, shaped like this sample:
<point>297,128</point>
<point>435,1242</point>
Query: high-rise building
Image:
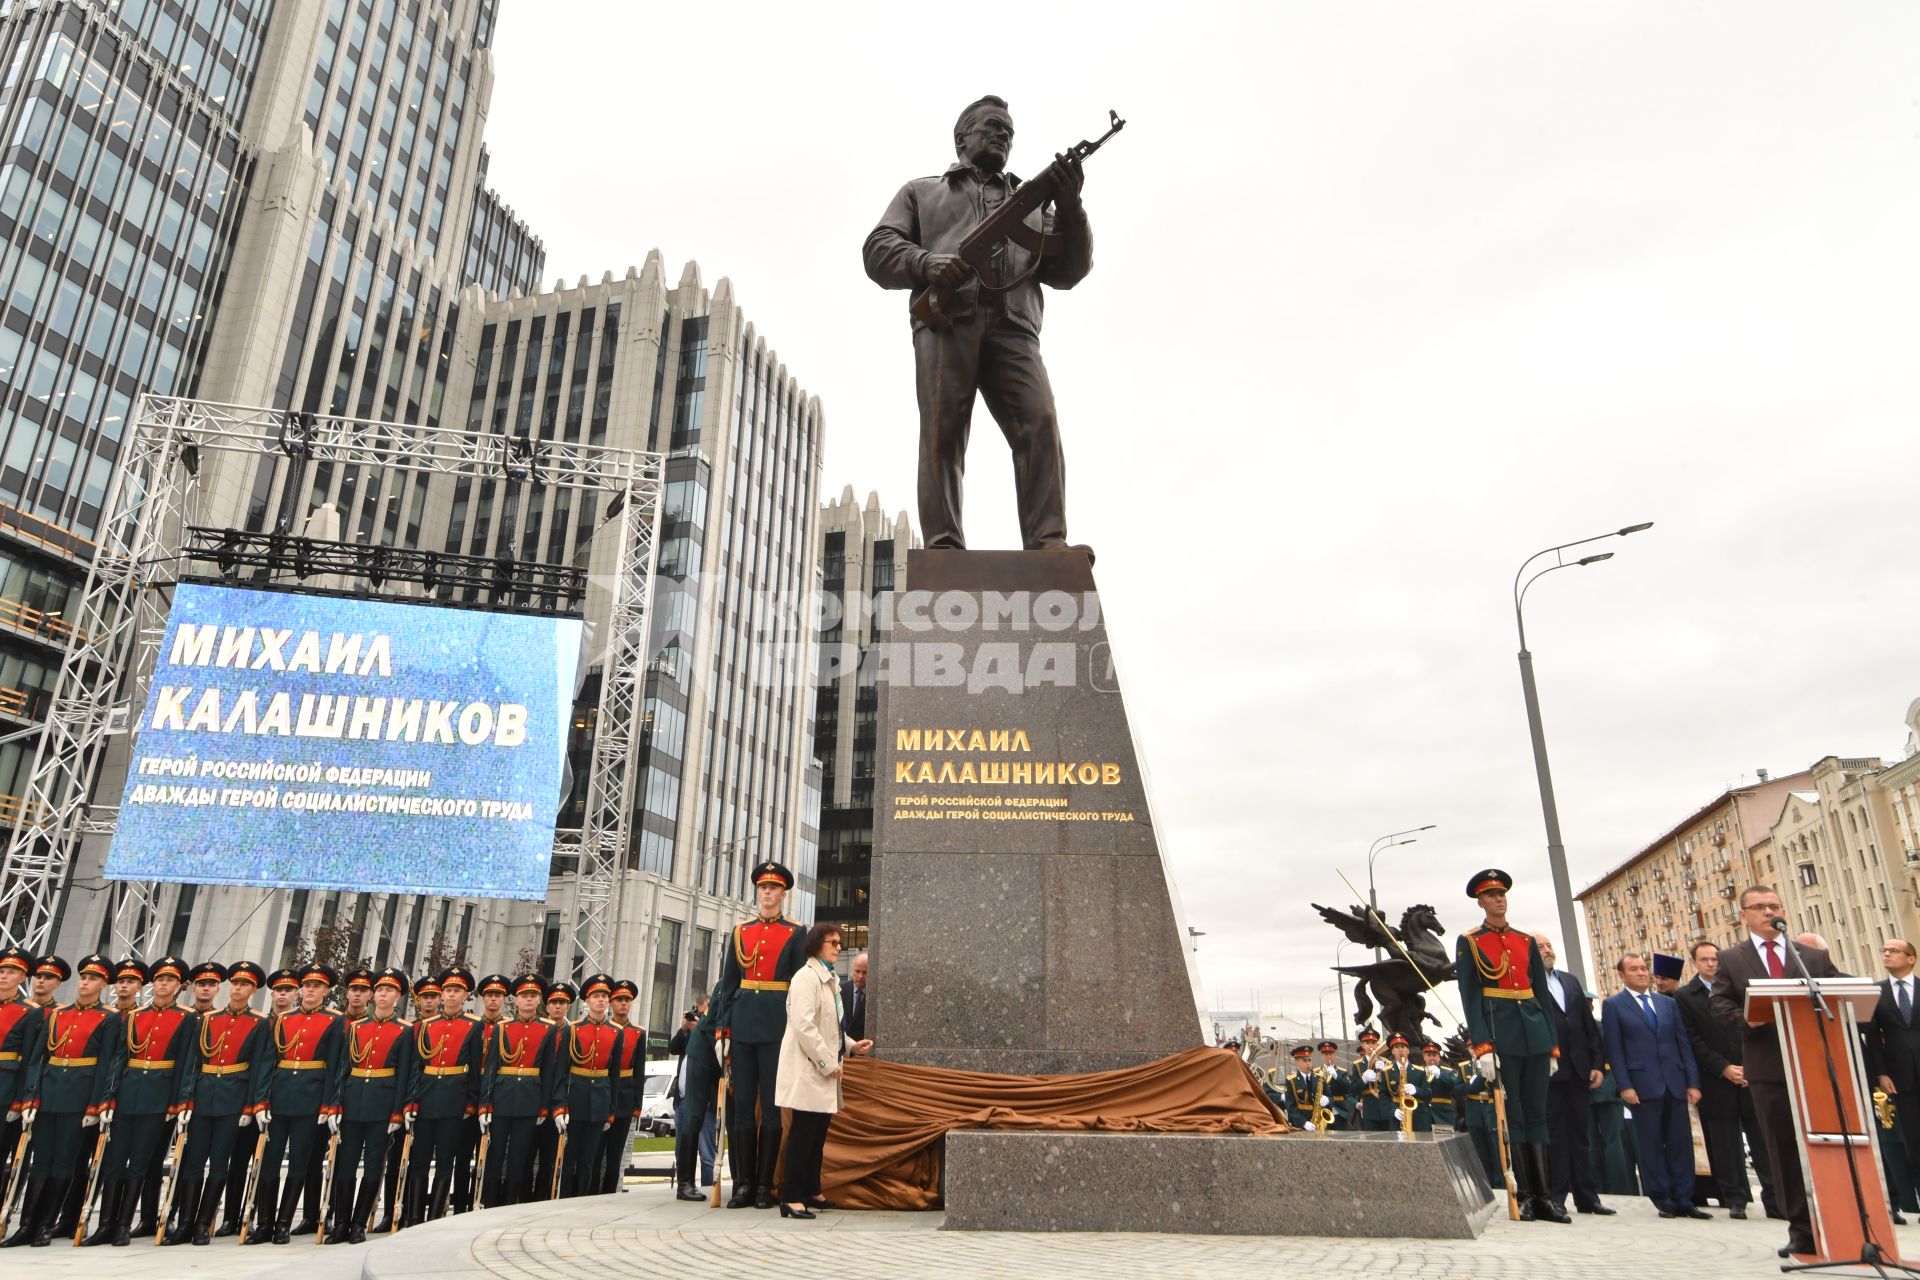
<point>863,552</point>
<point>285,204</point>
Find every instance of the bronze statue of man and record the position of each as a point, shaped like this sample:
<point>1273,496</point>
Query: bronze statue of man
<point>992,345</point>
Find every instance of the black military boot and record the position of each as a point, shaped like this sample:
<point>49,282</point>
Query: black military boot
<point>740,1160</point>
<point>1544,1209</point>
<point>52,1201</point>
<point>122,1221</point>
<point>31,1196</point>
<point>1522,1180</point>
<point>110,1199</point>
<point>186,1210</point>
<point>766,1160</point>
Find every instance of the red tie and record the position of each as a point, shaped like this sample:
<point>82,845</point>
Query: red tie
<point>1774,968</point>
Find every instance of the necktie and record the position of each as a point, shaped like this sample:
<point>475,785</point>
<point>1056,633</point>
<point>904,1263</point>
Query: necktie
<point>1906,1003</point>
<point>1774,968</point>
<point>1653,1019</point>
<point>859,1009</point>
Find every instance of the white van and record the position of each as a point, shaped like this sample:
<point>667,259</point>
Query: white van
<point>656,1109</point>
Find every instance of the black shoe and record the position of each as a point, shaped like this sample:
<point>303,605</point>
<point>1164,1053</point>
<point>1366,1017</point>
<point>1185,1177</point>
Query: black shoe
<point>201,1237</point>
<point>1545,1210</point>
<point>356,1235</point>
<point>818,1204</point>
<point>687,1191</point>
<point>257,1236</point>
<point>1595,1207</point>
<point>336,1236</point>
<point>1797,1242</point>
<point>281,1235</point>
<point>1899,1219</point>
<point>382,1227</point>
<point>1694,1211</point>
<point>229,1228</point>
<point>175,1237</point>
<point>1668,1213</point>
<point>763,1198</point>
<point>142,1228</point>
<point>1738,1213</point>
<point>787,1212</point>
<point>307,1227</point>
<point>742,1198</point>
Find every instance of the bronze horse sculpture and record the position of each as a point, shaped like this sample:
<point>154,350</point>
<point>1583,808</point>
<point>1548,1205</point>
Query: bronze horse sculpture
<point>1393,983</point>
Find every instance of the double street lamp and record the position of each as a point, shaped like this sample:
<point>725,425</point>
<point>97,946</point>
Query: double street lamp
<point>1574,953</point>
<point>1389,841</point>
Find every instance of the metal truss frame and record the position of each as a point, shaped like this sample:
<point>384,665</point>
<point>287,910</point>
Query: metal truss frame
<point>121,615</point>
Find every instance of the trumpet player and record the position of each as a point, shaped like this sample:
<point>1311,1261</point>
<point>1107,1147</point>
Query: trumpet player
<point>1373,1110</point>
<point>1406,1087</point>
<point>1336,1085</point>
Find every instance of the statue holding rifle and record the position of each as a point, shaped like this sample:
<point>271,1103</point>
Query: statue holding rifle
<point>975,244</point>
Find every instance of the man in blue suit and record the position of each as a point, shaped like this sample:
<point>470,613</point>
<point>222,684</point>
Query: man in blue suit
<point>1652,1059</point>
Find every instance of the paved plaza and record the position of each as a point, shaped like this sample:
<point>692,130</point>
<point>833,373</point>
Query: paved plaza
<point>646,1232</point>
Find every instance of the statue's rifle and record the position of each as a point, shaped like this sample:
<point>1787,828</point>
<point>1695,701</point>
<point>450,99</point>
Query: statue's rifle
<point>1499,1090</point>
<point>1008,222</point>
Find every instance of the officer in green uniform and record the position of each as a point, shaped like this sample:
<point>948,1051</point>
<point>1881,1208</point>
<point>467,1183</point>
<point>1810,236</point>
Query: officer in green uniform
<point>158,1038</point>
<point>370,1099</point>
<point>1404,1086</point>
<point>750,1004</point>
<point>1444,1085</point>
<point>1371,1109</point>
<point>1302,1091</point>
<point>1503,984</point>
<point>1335,1085</point>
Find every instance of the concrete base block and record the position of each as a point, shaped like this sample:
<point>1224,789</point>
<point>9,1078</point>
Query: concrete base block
<point>1340,1184</point>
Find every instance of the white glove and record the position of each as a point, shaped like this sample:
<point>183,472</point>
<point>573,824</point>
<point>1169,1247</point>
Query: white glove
<point>263,1117</point>
<point>394,1126</point>
<point>1484,1065</point>
<point>1397,1117</point>
<point>1325,1101</point>
<point>408,1118</point>
<point>1369,1076</point>
<point>27,1117</point>
<point>106,1119</point>
<point>1308,1126</point>
<point>13,1117</point>
<point>332,1122</point>
<point>1408,1091</point>
<point>89,1122</point>
<point>246,1122</point>
<point>486,1121</point>
<point>720,1050</point>
<point>560,1124</point>
<point>539,1121</point>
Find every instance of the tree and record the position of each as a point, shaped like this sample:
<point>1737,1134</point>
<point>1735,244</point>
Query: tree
<point>527,961</point>
<point>335,945</point>
<point>443,954</point>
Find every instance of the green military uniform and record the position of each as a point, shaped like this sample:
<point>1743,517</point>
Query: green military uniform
<point>1483,1125</point>
<point>1503,990</point>
<point>1445,1085</point>
<point>1300,1091</point>
<point>1402,1083</point>
<point>1371,1110</point>
<point>1336,1085</point>
<point>750,1005</point>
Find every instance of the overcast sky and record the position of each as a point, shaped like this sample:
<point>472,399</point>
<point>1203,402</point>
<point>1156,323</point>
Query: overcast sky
<point>1385,297</point>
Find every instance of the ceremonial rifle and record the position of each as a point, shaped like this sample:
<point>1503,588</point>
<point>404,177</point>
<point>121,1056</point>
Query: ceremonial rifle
<point>1008,222</point>
<point>93,1170</point>
<point>400,1188</point>
<point>559,1162</point>
<point>480,1164</point>
<point>253,1183</point>
<point>326,1187</point>
<point>720,1128</point>
<point>14,1172</point>
<point>173,1183</point>
<point>1499,1090</point>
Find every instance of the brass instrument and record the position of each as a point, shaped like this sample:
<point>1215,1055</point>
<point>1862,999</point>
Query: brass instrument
<point>1883,1108</point>
<point>1322,1111</point>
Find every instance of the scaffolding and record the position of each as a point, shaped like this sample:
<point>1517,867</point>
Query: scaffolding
<point>120,618</point>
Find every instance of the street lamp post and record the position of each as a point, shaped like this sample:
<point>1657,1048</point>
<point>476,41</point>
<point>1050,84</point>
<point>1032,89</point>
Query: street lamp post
<point>1340,981</point>
<point>1389,841</point>
<point>1556,852</point>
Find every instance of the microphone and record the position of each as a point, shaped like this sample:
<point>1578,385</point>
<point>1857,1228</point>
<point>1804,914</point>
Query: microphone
<point>1777,924</point>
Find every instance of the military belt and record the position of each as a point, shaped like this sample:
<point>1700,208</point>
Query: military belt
<point>626,1073</point>
<point>445,1071</point>
<point>72,1062</point>
<point>591,1073</point>
<point>230,1070</point>
<point>371,1073</point>
<point>9,1057</point>
<point>1502,993</point>
<point>302,1064</point>
<point>151,1064</point>
<point>519,1071</point>
<point>752,984</point>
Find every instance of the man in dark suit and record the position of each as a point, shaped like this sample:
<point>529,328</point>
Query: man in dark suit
<point>1576,1074</point>
<point>1647,1044</point>
<point>1726,1104</point>
<point>853,1000</point>
<point>1762,954</point>
<point>1893,1042</point>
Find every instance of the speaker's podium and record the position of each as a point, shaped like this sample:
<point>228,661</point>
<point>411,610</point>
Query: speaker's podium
<point>1835,1133</point>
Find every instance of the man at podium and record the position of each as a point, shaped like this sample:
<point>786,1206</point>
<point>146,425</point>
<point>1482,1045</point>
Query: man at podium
<point>1762,954</point>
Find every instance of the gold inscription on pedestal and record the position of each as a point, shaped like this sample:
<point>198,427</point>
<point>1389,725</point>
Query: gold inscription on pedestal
<point>922,760</point>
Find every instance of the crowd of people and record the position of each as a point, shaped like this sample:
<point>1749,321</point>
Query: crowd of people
<point>330,1103</point>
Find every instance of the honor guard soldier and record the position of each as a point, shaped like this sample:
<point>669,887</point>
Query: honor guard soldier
<point>18,1016</point>
<point>1443,1085</point>
<point>1482,1124</point>
<point>761,958</point>
<point>521,1078</point>
<point>1405,1087</point>
<point>157,1040</point>
<point>492,990</point>
<point>283,990</point>
<point>426,1004</point>
<point>129,980</point>
<point>1502,986</point>
<point>589,1060</point>
<point>628,1087</point>
<point>71,1070</point>
<point>221,1085</point>
<point>370,1101</point>
<point>358,986</point>
<point>1302,1091</point>
<point>49,972</point>
<point>1334,1082</point>
<point>560,996</point>
<point>445,1093</point>
<point>309,1055</point>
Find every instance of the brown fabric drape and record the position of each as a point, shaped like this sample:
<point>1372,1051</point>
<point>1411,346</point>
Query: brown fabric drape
<point>883,1151</point>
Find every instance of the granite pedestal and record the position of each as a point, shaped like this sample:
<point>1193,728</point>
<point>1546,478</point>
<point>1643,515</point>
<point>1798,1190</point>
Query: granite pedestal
<point>1023,921</point>
<point>1338,1184</point>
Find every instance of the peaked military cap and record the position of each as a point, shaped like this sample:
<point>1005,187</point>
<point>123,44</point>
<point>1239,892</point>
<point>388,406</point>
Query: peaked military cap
<point>131,967</point>
<point>15,958</point>
<point>494,984</point>
<point>427,985</point>
<point>209,971</point>
<point>1491,878</point>
<point>596,982</point>
<point>560,991</point>
<point>247,971</point>
<point>1328,1044</point>
<point>1397,1039</point>
<point>281,978</point>
<point>1302,1051</point>
<point>1369,1034</point>
<point>319,973</point>
<point>52,966</point>
<point>772,873</point>
<point>626,987</point>
<point>530,982</point>
<point>168,964</point>
<point>97,963</point>
<point>1429,1047</point>
<point>455,976</point>
<point>391,977</point>
<point>360,978</point>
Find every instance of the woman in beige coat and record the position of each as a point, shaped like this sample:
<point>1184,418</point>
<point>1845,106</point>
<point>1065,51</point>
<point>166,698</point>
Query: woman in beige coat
<point>808,1077</point>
